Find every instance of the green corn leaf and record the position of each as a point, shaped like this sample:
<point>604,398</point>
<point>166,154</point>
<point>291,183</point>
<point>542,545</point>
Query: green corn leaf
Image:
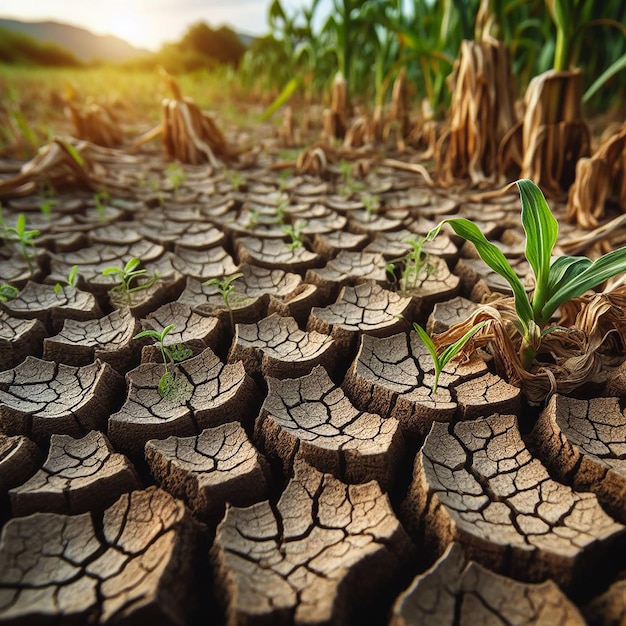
<point>453,349</point>
<point>493,257</point>
<point>281,99</point>
<point>131,265</point>
<point>107,271</point>
<point>148,333</point>
<point>600,270</point>
<point>614,68</point>
<point>563,270</point>
<point>20,225</point>
<point>542,231</point>
<point>428,342</point>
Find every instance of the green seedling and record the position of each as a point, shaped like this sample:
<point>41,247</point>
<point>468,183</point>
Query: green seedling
<point>235,178</point>
<point>294,231</point>
<point>8,292</point>
<point>372,205</point>
<point>441,360</point>
<point>281,209</point>
<point>167,383</point>
<point>350,185</point>
<point>99,199</point>
<point>556,282</point>
<point>225,286</point>
<point>253,219</point>
<point>412,264</point>
<point>128,278</point>
<point>72,280</point>
<point>24,237</point>
<point>175,176</point>
<point>46,206</point>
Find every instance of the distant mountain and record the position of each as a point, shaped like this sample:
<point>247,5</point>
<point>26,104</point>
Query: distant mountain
<point>85,45</point>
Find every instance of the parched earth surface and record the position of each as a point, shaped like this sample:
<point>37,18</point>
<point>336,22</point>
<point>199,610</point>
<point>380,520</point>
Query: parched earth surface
<point>301,470</point>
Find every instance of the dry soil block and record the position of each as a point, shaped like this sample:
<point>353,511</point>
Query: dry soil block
<point>275,254</point>
<point>394,377</point>
<point>19,339</point>
<point>276,347</point>
<point>79,475</point>
<point>40,398</point>
<point>583,442</point>
<point>212,393</point>
<point>59,569</point>
<point>37,301</point>
<point>217,466</point>
<point>325,548</point>
<point>476,483</point>
<point>367,309</point>
<point>20,458</point>
<point>457,592</point>
<point>109,339</point>
<point>312,418</point>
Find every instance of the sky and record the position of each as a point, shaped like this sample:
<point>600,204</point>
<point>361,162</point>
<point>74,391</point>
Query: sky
<point>147,23</point>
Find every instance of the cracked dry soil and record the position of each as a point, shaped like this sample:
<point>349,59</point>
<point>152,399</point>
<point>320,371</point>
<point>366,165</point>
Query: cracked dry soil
<point>304,472</point>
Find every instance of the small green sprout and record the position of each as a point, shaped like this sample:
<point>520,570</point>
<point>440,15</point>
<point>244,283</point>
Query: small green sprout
<point>72,280</point>
<point>24,237</point>
<point>99,199</point>
<point>253,219</point>
<point>441,360</point>
<point>412,264</point>
<point>46,206</point>
<point>225,286</point>
<point>8,292</point>
<point>295,233</point>
<point>129,275</point>
<point>350,185</point>
<point>167,382</point>
<point>372,205</point>
<point>176,176</point>
<point>281,209</point>
<point>235,178</point>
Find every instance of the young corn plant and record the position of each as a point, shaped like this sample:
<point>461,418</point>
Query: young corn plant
<point>556,281</point>
<point>441,360</point>
<point>170,355</point>
<point>225,286</point>
<point>128,277</point>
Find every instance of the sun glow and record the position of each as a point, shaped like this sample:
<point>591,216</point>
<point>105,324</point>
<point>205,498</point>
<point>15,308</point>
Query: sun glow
<point>129,27</point>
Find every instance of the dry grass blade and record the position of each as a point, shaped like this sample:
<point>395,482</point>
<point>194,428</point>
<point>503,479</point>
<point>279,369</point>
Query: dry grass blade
<point>601,177</point>
<point>481,113</point>
<point>416,168</point>
<point>554,135</point>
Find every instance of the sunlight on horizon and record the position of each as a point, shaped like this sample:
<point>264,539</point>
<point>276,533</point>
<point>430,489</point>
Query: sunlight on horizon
<point>145,23</point>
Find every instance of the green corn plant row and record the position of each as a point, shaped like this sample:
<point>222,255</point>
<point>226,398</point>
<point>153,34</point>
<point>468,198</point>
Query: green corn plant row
<point>556,281</point>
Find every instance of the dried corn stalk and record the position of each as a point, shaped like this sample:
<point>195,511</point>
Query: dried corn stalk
<point>315,160</point>
<point>598,178</point>
<point>95,123</point>
<point>335,119</point>
<point>399,108</point>
<point>287,133</point>
<point>423,135</point>
<point>360,133</point>
<point>481,113</point>
<point>68,162</point>
<point>554,135</point>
